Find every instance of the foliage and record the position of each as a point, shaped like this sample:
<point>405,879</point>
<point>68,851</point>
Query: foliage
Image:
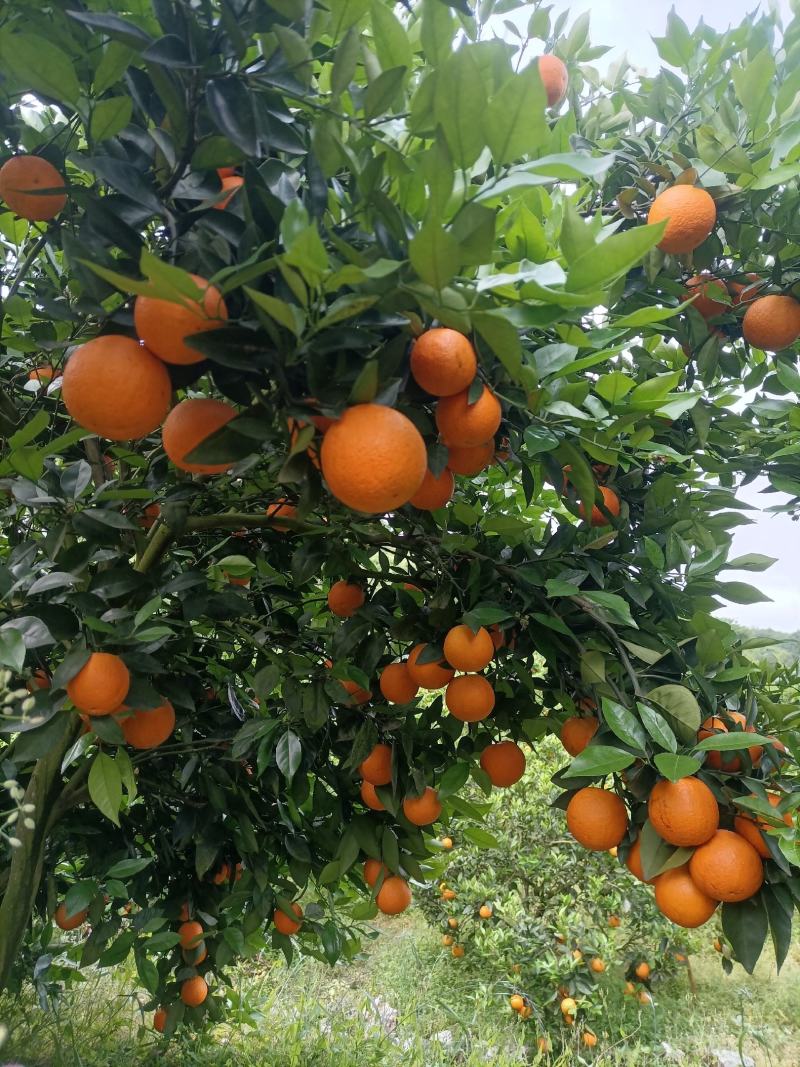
<point>399,169</point>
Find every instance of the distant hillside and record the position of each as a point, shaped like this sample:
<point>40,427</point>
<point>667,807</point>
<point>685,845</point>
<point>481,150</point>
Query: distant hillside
<point>785,649</point>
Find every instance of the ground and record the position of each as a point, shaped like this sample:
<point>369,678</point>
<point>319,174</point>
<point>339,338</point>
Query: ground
<point>408,1002</point>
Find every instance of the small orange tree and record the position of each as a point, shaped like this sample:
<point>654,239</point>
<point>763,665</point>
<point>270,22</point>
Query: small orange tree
<point>226,229</point>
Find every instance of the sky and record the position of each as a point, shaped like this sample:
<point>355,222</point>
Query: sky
<point>629,25</point>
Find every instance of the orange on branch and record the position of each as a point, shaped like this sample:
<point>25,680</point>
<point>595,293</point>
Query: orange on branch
<point>463,424</point>
<point>577,732</point>
<point>435,491</point>
<point>393,896</point>
<point>397,685</point>
<point>750,827</point>
<point>504,762</point>
<point>148,728</point>
<point>470,459</point>
<point>281,509</point>
<point>190,934</point>
<point>189,424</point>
<point>231,184</point>
<point>690,213</point>
<point>683,813</point>
<point>69,922</point>
<point>610,503</point>
<point>469,698</point>
<point>370,797</point>
<point>706,289</point>
<point>467,650</point>
<point>434,675</point>
<point>683,902</point>
<point>424,809</point>
<point>286,925</point>
<point>345,598</point>
<point>23,181</point>
<point>772,322</point>
<point>194,991</point>
<point>555,78</point>
<point>372,871</point>
<point>377,767</point>
<point>101,685</point>
<point>727,867</point>
<point>443,362</point>
<point>164,325</point>
<point>597,818</point>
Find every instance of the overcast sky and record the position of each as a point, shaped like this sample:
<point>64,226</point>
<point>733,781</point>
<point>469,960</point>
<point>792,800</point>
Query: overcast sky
<point>629,26</point>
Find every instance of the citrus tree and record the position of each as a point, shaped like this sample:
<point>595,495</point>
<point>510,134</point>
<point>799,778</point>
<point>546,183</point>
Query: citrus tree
<point>346,348</point>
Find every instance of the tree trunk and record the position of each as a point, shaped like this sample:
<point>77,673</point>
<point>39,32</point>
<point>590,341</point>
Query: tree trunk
<point>25,870</point>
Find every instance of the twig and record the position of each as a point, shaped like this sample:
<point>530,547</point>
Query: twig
<point>623,655</point>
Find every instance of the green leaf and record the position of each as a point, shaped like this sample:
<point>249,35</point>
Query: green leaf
<point>381,92</point>
<point>503,339</point>
<point>288,315</point>
<point>613,257</point>
<point>657,726</point>
<point>12,649</point>
<point>741,593</point>
<point>434,255</point>
<point>459,101</point>
<point>344,63</point>
<point>613,387</point>
<point>658,856</point>
<point>732,741</point>
<point>777,176</point>
<point>753,561</point>
<point>514,121</point>
<point>115,61</point>
<point>30,431</point>
<point>753,85</point>
<point>480,837</point>
<point>615,605</point>
<point>745,926</point>
<point>624,724</point>
<point>288,753</point>
<point>127,868</point>
<point>675,767</point>
<point>110,116</point>
<point>105,786</point>
<point>453,779</point>
<point>344,14</point>
<point>39,66</point>
<point>598,760</point>
<point>79,896</point>
<point>391,42</point>
<point>681,709</point>
<point>780,906</point>
<point>437,32</point>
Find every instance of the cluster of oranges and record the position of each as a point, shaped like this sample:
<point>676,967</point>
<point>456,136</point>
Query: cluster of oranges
<point>725,865</point>
<point>771,320</point>
<point>484,912</point>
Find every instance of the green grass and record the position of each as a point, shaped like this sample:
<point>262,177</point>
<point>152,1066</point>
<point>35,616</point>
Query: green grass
<point>309,1015</point>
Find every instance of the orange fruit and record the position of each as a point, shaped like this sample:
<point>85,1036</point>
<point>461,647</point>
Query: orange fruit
<point>281,508</point>
<point>225,172</point>
<point>727,867</point>
<point>424,809</point>
<point>610,503</point>
<point>357,694</point>
<point>42,375</point>
<point>470,459</point>
<point>194,957</point>
<point>447,940</point>
<point>345,598</point>
<point>39,680</point>
<point>68,922</point>
<point>449,894</point>
<point>750,827</point>
<point>397,685</point>
<point>370,797</point>
<point>393,896</point>
<point>443,362</point>
<point>372,871</point>
<point>644,997</point>
<point>468,651</point>
<point>457,951</point>
<point>568,1006</point>
<point>642,970</point>
<point>231,183</point>
<point>469,698</point>
<point>614,921</point>
<point>554,77</point>
<point>589,1039</point>
<point>772,322</point>
<point>690,213</point>
<point>159,1020</point>
<point>597,965</point>
<point>742,292</point>
<point>504,762</point>
<point>498,637</point>
<point>285,925</point>
<point>151,513</point>
<point>461,423</point>
<point>148,727</point>
<point>683,813</point>
<point>705,287</point>
<point>729,762</point>
<point>717,944</point>
<point>184,914</point>
<point>115,388</point>
<point>629,989</point>
<point>100,685</point>
<point>377,767</point>
<point>190,423</point>
<point>21,178</point>
<point>633,861</point>
<point>597,818</point>
<point>373,459</point>
<point>447,843</point>
<point>222,875</point>
<point>232,580</point>
<point>452,923</point>
<point>164,325</point>
<point>577,732</point>
<point>485,911</point>
<point>681,900</point>
<point>190,934</point>
<point>516,1001</point>
<point>194,991</point>
<point>427,675</point>
<point>435,491</point>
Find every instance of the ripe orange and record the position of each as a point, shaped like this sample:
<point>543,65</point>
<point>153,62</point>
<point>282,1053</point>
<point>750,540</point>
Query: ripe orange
<point>68,922</point>
<point>373,459</point>
<point>642,970</point>
<point>610,502</point>
<point>427,675</point>
<point>470,459</point>
<point>554,77</point>
<point>452,923</point>
<point>21,178</point>
<point>345,598</point>
<point>115,388</point>
<point>705,288</point>
<point>727,761</point>
<point>447,940</point>
<point>516,1001</point>
<point>681,900</point>
<point>231,183</point>
<point>742,292</point>
<point>449,894</point>
<point>435,491</point>
<point>727,867</point>
<point>633,861</point>
<point>42,375</point>
<point>225,172</point>
<point>683,813</point>
<point>457,951</point>
<point>190,423</point>
<point>597,818</point>
<point>461,423</point>
<point>597,965</point>
<point>485,911</point>
<point>151,513</point>
<point>504,762</point>
<point>164,325</point>
<point>357,694</point>
<point>498,637</point>
<point>750,827</point>
<point>159,1020</point>
<point>190,934</point>
<point>397,685</point>
<point>377,767</point>
<point>443,362</point>
<point>469,698</point>
<point>39,680</point>
<point>772,322</point>
<point>568,1006</point>
<point>393,896</point>
<point>281,508</point>
<point>589,1039</point>
<point>372,871</point>
<point>447,843</point>
<point>148,728</point>
<point>424,809</point>
<point>100,685</point>
<point>285,925</point>
<point>232,580</point>
<point>629,989</point>
<point>614,921</point>
<point>221,876</point>
<point>468,651</point>
<point>370,797</point>
<point>690,213</point>
<point>577,732</point>
<point>194,991</point>
<point>195,956</point>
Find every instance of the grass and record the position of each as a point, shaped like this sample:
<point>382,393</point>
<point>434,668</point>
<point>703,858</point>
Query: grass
<point>447,1012</point>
